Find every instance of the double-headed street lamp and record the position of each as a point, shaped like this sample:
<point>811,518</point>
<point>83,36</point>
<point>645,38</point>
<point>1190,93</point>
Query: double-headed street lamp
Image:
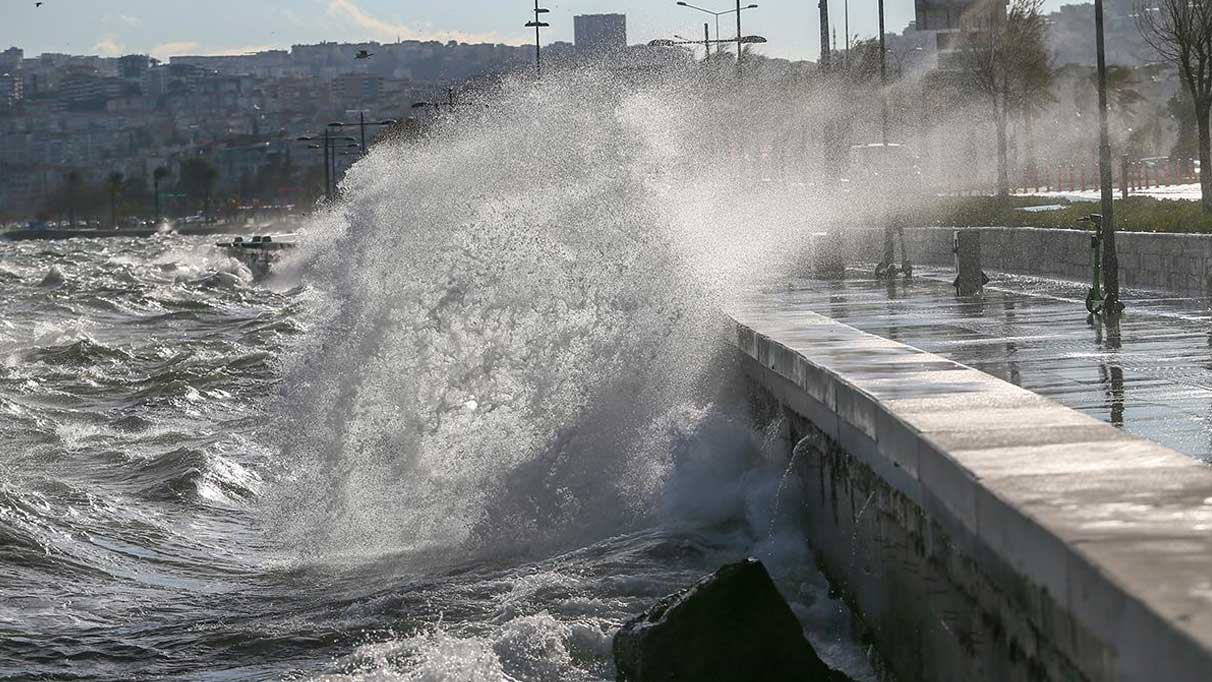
<point>536,25</point>
<point>717,16</point>
<point>362,123</point>
<point>328,143</point>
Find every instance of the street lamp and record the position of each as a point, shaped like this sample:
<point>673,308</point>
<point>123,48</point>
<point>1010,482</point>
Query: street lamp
<point>883,77</point>
<point>717,16</point>
<point>329,145</point>
<point>536,25</point>
<point>362,123</point>
<point>1112,306</point>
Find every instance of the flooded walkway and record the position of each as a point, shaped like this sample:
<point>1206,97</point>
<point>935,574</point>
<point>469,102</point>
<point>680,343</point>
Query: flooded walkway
<point>1153,378</point>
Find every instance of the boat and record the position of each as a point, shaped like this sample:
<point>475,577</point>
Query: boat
<point>261,252</point>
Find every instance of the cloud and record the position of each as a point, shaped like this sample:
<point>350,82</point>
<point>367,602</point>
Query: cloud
<point>347,12</point>
<point>130,21</point>
<point>194,49</point>
<point>109,46</point>
<point>165,50</point>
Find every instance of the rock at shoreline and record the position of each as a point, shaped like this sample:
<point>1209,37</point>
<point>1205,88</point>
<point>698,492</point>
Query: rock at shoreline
<point>732,626</point>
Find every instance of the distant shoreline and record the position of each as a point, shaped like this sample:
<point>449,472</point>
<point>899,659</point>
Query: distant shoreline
<point>54,234</point>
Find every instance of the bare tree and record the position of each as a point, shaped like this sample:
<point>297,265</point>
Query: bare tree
<point>1006,60</point>
<point>1181,33</point>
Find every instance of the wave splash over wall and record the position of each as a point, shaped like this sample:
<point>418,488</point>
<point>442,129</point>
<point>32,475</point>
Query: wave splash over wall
<point>518,324</point>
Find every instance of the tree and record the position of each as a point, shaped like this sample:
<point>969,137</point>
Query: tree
<point>1180,31</point>
<point>198,179</point>
<point>1005,59</point>
<point>113,183</point>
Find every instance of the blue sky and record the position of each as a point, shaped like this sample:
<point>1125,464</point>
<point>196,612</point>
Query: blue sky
<point>167,27</point>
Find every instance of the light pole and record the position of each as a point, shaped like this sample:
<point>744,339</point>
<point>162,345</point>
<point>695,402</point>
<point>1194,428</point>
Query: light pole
<point>328,143</point>
<point>846,27</point>
<point>362,123</point>
<point>1112,306</point>
<point>717,16</point>
<point>536,25</point>
<point>826,57</point>
<point>883,77</point>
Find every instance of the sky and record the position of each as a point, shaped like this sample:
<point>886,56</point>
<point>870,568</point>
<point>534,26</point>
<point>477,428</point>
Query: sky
<point>164,28</point>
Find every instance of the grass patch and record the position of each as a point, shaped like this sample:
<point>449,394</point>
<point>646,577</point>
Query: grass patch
<point>1134,214</point>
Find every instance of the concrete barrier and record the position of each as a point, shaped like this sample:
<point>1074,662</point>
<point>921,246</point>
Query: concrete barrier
<point>1180,263</point>
<point>981,531</point>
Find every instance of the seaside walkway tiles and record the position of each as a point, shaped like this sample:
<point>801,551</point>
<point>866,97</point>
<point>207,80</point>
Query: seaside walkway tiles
<point>1152,379</point>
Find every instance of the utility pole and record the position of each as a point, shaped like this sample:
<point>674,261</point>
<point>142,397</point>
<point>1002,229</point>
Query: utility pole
<point>883,77</point>
<point>738,38</point>
<point>846,27</point>
<point>823,6</point>
<point>536,25</point>
<point>1112,306</point>
<point>707,41</point>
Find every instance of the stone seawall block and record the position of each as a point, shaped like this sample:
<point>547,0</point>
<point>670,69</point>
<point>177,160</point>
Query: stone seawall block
<point>1178,263</point>
<point>981,531</point>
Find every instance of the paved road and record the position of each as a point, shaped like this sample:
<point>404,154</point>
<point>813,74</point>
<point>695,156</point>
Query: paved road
<point>1153,378</point>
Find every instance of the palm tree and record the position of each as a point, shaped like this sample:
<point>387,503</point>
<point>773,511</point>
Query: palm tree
<point>114,182</point>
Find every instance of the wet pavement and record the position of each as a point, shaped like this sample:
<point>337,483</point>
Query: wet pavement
<point>1152,377</point>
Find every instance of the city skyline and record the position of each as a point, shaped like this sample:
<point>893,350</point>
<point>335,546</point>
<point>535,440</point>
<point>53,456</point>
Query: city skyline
<point>170,28</point>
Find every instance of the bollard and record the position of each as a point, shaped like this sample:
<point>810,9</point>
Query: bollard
<point>969,279</point>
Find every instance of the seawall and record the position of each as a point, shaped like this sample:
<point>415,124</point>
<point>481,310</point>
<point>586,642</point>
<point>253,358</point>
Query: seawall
<point>981,531</point>
<point>1180,263</point>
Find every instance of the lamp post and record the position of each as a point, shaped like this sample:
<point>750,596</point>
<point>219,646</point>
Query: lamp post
<point>362,123</point>
<point>883,78</point>
<point>536,25</point>
<point>1112,306</point>
<point>717,16</point>
<point>328,143</point>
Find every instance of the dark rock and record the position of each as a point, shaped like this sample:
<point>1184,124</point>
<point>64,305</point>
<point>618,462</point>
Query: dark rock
<point>732,626</point>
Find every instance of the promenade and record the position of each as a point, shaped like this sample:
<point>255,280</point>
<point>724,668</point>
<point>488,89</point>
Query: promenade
<point>1154,379</point>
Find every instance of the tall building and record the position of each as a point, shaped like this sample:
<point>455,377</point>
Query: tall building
<point>133,66</point>
<point>10,60</point>
<point>598,34</point>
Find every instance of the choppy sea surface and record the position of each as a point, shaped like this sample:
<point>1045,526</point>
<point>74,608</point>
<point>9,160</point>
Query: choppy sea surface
<point>152,524</point>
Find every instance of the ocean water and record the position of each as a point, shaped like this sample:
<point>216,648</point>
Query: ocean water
<point>484,416</point>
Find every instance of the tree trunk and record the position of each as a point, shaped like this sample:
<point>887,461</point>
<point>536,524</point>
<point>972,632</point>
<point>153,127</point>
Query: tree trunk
<point>1003,173</point>
<point>1205,155</point>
